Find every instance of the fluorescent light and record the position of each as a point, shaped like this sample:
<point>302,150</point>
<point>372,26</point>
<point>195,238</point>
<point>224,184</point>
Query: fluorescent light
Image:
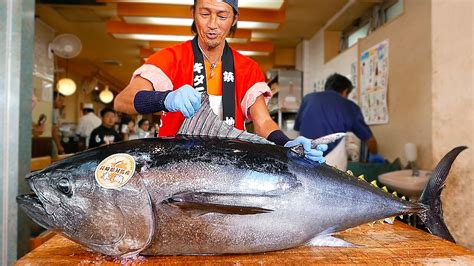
<point>257,25</point>
<point>189,22</point>
<point>159,21</point>
<point>246,53</point>
<point>254,53</point>
<point>153,37</point>
<point>263,35</point>
<point>260,4</point>
<point>169,38</point>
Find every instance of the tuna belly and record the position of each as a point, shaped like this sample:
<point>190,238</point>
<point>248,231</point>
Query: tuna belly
<point>213,233</point>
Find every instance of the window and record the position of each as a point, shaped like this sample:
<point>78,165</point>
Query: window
<point>359,33</point>
<point>394,10</point>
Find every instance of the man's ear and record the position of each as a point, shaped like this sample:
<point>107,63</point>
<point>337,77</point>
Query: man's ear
<point>236,18</point>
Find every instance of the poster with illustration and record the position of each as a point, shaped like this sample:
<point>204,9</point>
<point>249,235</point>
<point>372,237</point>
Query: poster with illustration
<point>374,84</point>
<point>354,96</point>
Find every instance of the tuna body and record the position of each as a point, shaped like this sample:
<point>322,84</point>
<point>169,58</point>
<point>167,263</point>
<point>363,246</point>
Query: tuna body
<point>203,196</point>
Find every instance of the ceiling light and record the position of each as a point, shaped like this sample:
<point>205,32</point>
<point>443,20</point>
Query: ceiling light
<point>163,37</point>
<point>261,4</point>
<point>106,96</point>
<point>254,53</point>
<point>66,86</point>
<point>257,25</point>
<point>256,35</point>
<point>122,30</point>
<point>189,22</point>
<point>159,21</point>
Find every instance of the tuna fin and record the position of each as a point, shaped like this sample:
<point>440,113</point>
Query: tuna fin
<point>199,203</point>
<point>430,199</point>
<point>329,241</point>
<point>325,239</point>
<point>205,123</point>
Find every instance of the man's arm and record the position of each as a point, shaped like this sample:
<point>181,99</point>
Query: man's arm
<point>124,102</point>
<point>263,123</point>
<point>372,145</point>
<point>57,138</point>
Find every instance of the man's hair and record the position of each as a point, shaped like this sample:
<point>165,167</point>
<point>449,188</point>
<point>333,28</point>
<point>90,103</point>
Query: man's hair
<point>56,94</point>
<point>106,110</point>
<point>143,120</point>
<point>339,83</point>
<point>88,110</point>
<point>194,28</point>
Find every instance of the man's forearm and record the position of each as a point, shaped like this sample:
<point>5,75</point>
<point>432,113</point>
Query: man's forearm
<point>372,145</point>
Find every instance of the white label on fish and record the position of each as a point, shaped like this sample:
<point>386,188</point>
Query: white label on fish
<point>115,171</point>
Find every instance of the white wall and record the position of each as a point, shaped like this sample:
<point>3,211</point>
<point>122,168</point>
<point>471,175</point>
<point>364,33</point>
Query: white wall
<point>453,112</point>
<point>313,66</point>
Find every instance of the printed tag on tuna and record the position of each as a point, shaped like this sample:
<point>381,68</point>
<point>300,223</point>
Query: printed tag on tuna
<point>115,170</point>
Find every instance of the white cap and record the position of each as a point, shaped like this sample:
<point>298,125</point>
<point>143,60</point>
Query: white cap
<point>88,106</point>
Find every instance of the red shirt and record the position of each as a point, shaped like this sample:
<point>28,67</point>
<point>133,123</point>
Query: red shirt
<point>171,68</point>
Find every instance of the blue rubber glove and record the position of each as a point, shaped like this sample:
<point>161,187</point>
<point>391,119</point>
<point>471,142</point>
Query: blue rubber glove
<point>186,100</point>
<point>312,154</point>
<point>375,158</point>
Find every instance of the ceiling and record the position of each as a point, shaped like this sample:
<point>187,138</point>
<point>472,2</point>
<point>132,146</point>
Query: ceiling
<point>119,57</point>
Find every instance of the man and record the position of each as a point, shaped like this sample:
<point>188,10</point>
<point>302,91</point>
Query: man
<point>105,134</point>
<point>173,79</point>
<point>143,130</point>
<point>323,113</point>
<point>58,105</point>
<point>88,122</point>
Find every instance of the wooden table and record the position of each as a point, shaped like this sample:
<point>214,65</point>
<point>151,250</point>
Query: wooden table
<point>380,244</point>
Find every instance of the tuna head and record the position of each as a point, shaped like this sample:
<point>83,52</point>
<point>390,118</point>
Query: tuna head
<point>69,199</point>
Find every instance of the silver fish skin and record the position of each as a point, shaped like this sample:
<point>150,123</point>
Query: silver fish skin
<point>192,195</point>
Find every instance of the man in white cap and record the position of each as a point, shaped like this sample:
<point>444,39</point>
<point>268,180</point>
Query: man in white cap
<point>88,122</point>
<point>172,80</point>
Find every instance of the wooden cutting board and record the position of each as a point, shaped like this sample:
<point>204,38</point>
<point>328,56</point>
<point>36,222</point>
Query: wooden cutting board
<point>379,244</point>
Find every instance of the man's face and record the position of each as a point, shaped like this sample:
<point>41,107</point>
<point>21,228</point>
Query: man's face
<point>213,19</point>
<point>145,126</point>
<point>59,102</point>
<point>108,120</point>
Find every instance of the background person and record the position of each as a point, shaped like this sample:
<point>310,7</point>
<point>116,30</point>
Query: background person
<point>88,122</point>
<point>105,134</point>
<point>143,130</point>
<point>327,112</point>
<point>58,106</point>
<point>173,79</point>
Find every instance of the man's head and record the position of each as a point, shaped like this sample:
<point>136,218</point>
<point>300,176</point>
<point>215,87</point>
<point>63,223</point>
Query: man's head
<point>108,117</point>
<point>58,100</point>
<point>144,124</point>
<point>87,108</point>
<point>214,20</point>
<point>339,83</point>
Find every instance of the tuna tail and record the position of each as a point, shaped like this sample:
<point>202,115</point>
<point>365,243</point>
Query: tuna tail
<point>432,215</point>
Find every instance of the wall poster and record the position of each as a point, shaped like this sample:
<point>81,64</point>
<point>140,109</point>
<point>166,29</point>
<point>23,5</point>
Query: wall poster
<point>374,84</point>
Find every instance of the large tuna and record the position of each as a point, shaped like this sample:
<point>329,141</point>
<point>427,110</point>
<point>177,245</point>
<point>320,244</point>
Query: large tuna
<point>209,195</point>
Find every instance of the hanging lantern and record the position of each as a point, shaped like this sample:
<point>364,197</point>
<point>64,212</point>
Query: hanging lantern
<point>106,96</point>
<point>66,86</point>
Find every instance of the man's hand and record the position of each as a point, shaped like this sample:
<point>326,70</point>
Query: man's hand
<point>60,149</point>
<point>185,100</point>
<point>312,154</point>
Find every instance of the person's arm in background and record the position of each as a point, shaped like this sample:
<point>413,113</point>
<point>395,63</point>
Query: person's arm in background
<point>299,115</point>
<point>372,145</point>
<point>56,138</point>
<point>92,138</point>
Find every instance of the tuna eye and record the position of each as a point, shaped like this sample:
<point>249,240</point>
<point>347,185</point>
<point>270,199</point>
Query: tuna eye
<point>64,186</point>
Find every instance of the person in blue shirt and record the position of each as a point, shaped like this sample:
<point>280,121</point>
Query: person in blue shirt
<point>327,112</point>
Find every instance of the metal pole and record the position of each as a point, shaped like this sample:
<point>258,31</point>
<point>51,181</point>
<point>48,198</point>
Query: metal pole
<point>16,48</point>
